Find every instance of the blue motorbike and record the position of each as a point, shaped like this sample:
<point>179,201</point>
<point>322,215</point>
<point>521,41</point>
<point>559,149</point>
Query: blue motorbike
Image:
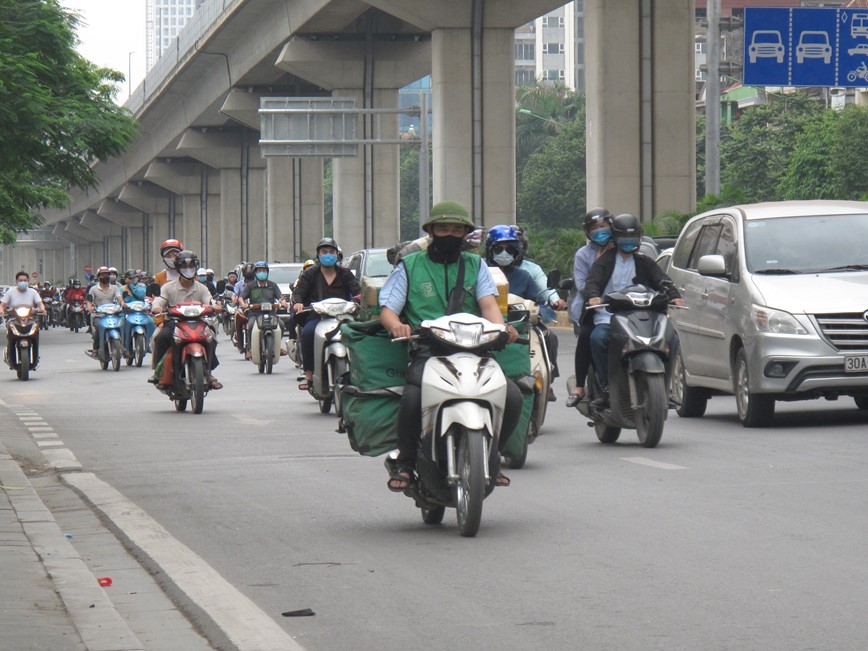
<point>107,319</point>
<point>137,329</point>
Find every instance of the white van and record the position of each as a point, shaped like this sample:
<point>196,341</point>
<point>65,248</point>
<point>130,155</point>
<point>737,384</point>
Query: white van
<point>778,298</point>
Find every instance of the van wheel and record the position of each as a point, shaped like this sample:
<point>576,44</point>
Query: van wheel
<point>861,402</point>
<point>753,410</point>
<point>691,401</point>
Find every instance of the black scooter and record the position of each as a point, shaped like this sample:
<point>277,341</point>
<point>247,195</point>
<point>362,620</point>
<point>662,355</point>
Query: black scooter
<point>640,349</point>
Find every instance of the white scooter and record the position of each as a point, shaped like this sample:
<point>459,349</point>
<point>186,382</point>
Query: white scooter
<point>463,398</point>
<point>330,363</point>
<point>265,339</point>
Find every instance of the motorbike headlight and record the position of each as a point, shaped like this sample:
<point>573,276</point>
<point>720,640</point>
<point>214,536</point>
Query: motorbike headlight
<point>265,307</point>
<point>192,311</point>
<point>23,312</point>
<point>466,335</point>
<point>766,319</point>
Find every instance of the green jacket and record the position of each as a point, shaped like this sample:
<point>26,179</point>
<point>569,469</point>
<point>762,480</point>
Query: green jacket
<point>429,284</point>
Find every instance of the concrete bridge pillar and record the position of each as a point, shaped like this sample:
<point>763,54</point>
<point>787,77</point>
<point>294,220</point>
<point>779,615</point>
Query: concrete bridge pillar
<point>295,207</point>
<point>640,105</point>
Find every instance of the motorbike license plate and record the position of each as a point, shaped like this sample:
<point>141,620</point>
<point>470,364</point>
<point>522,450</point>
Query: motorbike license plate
<point>856,364</point>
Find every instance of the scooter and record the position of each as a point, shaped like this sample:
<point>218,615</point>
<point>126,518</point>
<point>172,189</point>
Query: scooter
<point>138,315</point>
<point>265,339</point>
<point>188,358</point>
<point>25,332</point>
<point>76,315</point>
<point>227,315</point>
<point>331,363</point>
<point>541,370</point>
<point>463,398</point>
<point>45,320</point>
<point>638,364</point>
<point>56,313</point>
<point>107,319</point>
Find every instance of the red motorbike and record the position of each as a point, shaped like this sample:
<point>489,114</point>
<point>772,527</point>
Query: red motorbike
<point>186,364</point>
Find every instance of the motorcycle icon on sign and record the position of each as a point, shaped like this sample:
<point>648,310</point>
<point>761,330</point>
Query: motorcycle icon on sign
<point>859,73</point>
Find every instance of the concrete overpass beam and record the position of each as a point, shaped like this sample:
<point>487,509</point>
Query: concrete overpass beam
<point>243,107</point>
<point>75,229</point>
<point>120,213</point>
<point>146,197</point>
<point>90,219</point>
<point>220,149</point>
<point>641,124</point>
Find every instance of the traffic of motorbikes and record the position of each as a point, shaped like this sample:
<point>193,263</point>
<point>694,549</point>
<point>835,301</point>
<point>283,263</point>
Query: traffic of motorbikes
<point>357,369</point>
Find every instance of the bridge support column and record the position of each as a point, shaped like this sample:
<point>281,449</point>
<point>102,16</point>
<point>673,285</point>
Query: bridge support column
<point>474,159</point>
<point>295,207</point>
<point>641,151</point>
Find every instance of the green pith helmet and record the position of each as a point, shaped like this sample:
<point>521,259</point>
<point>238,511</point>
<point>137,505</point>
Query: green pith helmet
<point>448,212</point>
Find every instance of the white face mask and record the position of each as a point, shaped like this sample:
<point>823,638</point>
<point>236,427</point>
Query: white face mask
<point>169,262</point>
<point>188,273</point>
<point>503,259</point>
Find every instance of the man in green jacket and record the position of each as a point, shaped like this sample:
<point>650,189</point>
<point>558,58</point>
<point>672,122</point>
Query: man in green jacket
<point>419,289</point>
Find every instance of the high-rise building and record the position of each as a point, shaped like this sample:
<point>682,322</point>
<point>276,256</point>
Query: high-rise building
<point>552,48</point>
<point>165,20</point>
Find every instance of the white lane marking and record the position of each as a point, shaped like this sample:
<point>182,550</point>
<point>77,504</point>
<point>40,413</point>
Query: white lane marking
<point>45,435</point>
<point>40,428</point>
<point>45,444</point>
<point>250,420</point>
<point>246,625</point>
<point>642,461</point>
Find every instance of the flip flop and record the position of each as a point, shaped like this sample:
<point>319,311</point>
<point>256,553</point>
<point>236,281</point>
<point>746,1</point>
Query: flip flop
<point>303,386</point>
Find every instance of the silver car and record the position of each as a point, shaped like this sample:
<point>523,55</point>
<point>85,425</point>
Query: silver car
<point>778,298</point>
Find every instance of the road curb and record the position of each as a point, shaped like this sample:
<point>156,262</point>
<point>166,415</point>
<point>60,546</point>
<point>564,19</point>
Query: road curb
<point>93,614</point>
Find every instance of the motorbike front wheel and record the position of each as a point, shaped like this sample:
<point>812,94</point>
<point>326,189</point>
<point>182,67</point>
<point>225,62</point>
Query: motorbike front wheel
<point>196,380</point>
<point>139,349</point>
<point>653,404</point>
<point>470,488</point>
<point>434,515</point>
<point>117,352</point>
<point>23,363</point>
<point>268,352</point>
<point>339,369</point>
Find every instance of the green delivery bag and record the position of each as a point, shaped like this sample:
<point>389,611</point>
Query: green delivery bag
<point>375,362</point>
<point>371,419</point>
<point>514,360</point>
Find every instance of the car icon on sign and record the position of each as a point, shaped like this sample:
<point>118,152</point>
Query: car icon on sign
<point>814,45</point>
<point>766,43</point>
<point>862,49</point>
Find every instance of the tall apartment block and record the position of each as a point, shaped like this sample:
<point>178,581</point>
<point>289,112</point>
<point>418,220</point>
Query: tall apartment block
<point>552,48</point>
<point>165,20</point>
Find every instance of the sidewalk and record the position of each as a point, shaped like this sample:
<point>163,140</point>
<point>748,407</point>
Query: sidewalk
<point>51,600</point>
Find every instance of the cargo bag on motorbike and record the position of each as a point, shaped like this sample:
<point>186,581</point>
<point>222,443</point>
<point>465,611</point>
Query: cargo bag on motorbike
<point>371,400</point>
<point>514,360</point>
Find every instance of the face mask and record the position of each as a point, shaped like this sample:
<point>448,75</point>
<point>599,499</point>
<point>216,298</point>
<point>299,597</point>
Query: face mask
<point>113,278</point>
<point>601,236</point>
<point>188,273</point>
<point>202,279</point>
<point>103,281</point>
<point>328,259</point>
<point>263,275</point>
<point>503,259</point>
<point>445,248</point>
<point>22,284</point>
<point>169,262</point>
<point>628,244</point>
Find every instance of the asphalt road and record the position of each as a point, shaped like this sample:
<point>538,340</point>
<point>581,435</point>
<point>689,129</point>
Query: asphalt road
<point>720,538</point>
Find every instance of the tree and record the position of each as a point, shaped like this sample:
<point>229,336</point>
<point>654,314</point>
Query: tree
<point>57,115</point>
<point>755,150</point>
<point>809,173</point>
<point>553,190</point>
<point>849,158</point>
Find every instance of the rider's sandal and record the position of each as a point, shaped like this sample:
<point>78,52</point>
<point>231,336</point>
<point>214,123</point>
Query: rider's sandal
<point>399,481</point>
<point>502,481</point>
<point>303,386</point>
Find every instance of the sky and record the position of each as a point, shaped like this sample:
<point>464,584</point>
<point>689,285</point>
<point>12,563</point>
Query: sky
<point>112,35</point>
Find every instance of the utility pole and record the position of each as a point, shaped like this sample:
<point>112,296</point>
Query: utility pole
<point>712,99</point>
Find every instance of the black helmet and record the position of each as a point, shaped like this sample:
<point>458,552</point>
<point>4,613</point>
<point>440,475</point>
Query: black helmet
<point>627,227</point>
<point>595,216</point>
<point>327,241</point>
<point>248,271</point>
<point>187,259</point>
<point>130,273</point>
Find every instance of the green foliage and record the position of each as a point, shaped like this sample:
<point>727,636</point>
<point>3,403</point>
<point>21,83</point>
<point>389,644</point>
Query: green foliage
<point>410,192</point>
<point>328,182</point>
<point>809,173</point>
<point>552,193</point>
<point>554,248</point>
<point>56,113</point>
<point>849,155</point>
<point>755,150</point>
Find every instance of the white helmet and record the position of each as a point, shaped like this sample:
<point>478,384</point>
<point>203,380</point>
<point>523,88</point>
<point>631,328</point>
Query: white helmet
<point>200,271</point>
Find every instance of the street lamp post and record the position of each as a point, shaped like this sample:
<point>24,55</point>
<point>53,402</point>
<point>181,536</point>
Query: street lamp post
<point>525,111</point>
<point>130,74</point>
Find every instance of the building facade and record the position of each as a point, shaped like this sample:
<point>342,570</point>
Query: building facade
<point>165,20</point>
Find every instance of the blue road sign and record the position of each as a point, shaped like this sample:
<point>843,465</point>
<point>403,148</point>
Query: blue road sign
<point>806,47</point>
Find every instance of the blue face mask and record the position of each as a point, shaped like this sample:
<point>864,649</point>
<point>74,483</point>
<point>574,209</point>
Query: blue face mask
<point>22,284</point>
<point>628,244</point>
<point>202,279</point>
<point>328,259</point>
<point>261,275</point>
<point>601,236</point>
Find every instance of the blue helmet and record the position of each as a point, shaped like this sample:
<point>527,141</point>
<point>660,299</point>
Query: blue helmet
<point>503,234</point>
<point>262,264</point>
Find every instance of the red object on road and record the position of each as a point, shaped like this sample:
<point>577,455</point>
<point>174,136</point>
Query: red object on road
<point>105,581</point>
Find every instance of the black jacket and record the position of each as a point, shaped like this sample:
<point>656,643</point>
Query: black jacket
<point>647,273</point>
<point>312,286</point>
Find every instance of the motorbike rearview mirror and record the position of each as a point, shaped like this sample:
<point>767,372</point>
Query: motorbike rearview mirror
<point>553,279</point>
<point>567,284</point>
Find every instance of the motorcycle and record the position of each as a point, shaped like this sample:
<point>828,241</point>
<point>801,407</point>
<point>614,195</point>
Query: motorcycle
<point>188,358</point>
<point>265,339</point>
<point>463,399</point>
<point>107,319</point>
<point>138,316</point>
<point>638,365</point>
<point>45,319</point>
<point>541,370</point>
<point>56,313</point>
<point>76,315</point>
<point>227,315</point>
<point>239,336</point>
<point>25,332</point>
<point>859,73</point>
<point>331,363</point>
